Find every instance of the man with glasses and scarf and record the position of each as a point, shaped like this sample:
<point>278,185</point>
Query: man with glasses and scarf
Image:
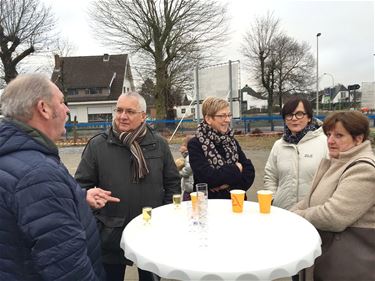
<point>136,165</point>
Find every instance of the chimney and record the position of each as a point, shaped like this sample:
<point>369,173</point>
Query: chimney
<point>106,57</point>
<point>57,63</point>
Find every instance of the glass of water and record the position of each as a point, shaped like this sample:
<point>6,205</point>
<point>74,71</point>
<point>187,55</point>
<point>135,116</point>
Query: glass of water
<point>202,209</point>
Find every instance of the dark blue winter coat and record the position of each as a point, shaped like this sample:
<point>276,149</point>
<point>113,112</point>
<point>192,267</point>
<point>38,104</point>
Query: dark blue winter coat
<point>47,230</point>
<point>228,174</point>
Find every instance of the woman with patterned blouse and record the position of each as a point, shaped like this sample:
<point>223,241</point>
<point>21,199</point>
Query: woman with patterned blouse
<point>216,157</point>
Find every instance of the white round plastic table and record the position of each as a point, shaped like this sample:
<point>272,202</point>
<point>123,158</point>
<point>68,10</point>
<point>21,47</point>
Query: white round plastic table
<point>245,246</point>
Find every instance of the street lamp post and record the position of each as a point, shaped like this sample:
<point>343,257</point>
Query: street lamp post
<point>317,72</point>
<point>332,89</point>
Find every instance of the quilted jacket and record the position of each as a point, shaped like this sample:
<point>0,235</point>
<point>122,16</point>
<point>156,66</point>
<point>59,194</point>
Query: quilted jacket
<point>290,168</point>
<point>47,230</point>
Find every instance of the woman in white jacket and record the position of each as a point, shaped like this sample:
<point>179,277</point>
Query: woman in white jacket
<point>296,156</point>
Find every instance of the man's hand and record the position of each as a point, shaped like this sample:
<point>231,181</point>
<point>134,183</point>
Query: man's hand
<point>97,198</point>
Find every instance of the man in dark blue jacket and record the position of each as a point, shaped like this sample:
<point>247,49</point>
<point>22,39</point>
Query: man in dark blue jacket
<point>47,231</point>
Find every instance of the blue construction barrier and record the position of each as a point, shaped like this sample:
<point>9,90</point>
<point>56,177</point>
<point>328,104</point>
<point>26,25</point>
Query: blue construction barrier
<point>244,123</point>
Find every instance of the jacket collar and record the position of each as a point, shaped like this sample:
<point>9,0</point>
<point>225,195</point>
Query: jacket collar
<point>356,151</point>
<point>310,135</point>
<point>18,135</point>
<point>36,134</point>
<point>345,159</point>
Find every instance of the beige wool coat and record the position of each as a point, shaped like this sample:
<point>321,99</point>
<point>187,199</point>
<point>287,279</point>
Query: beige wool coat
<point>341,205</point>
<point>336,200</point>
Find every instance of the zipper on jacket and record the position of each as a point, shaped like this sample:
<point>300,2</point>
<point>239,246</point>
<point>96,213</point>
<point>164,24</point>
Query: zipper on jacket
<point>298,171</point>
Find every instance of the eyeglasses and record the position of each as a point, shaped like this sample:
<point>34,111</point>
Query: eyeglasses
<point>128,112</point>
<point>298,115</point>
<point>224,116</point>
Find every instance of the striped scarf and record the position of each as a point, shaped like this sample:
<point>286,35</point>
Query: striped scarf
<point>132,140</point>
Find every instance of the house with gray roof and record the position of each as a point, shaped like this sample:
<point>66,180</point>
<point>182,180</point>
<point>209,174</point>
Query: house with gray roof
<point>335,97</point>
<point>92,84</point>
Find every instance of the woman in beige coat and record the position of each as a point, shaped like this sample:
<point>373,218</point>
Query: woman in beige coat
<point>341,203</point>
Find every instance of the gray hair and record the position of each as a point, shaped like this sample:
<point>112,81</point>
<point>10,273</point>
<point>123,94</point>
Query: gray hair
<point>141,100</point>
<point>23,93</point>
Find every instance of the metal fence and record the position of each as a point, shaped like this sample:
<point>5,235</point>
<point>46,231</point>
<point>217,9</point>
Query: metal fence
<point>245,125</point>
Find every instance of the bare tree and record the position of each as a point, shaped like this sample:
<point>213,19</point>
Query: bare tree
<point>25,28</point>
<point>168,36</point>
<point>279,63</point>
<point>64,47</point>
<point>147,90</point>
<point>258,49</point>
<point>294,66</point>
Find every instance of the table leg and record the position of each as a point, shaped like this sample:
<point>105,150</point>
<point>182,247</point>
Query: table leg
<point>302,275</point>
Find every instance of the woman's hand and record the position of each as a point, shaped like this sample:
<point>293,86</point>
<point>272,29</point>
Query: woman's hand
<point>221,187</point>
<point>239,165</point>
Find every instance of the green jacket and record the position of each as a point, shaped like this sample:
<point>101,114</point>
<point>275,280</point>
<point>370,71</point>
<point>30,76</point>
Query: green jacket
<point>106,163</point>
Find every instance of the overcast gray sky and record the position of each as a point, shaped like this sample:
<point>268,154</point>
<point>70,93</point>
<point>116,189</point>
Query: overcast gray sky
<point>346,46</point>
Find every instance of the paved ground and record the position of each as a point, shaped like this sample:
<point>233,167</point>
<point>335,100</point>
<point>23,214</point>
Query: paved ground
<point>71,156</point>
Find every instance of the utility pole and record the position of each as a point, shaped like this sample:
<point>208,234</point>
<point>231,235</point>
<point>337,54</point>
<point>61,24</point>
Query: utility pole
<point>317,72</point>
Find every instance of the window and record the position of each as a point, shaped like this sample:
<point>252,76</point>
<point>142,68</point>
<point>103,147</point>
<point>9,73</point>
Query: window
<point>72,92</point>
<point>80,91</point>
<point>192,110</point>
<point>106,57</point>
<point>100,117</point>
<point>183,110</point>
<point>94,91</point>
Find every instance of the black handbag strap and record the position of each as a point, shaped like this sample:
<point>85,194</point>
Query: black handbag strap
<point>363,160</point>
